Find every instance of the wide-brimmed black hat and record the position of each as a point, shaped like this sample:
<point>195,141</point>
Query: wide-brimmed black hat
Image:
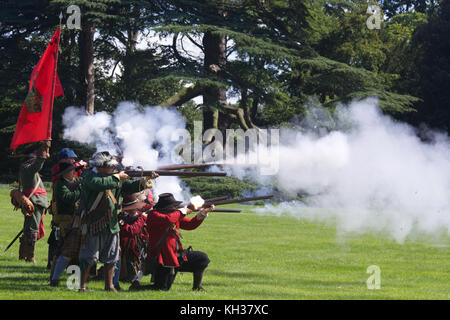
<point>166,200</point>
<point>64,167</point>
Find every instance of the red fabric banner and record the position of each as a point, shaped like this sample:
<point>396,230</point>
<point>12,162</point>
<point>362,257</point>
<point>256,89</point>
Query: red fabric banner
<point>35,118</point>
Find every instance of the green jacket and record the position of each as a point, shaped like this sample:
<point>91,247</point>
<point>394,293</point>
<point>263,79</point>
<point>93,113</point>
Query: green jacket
<point>93,184</point>
<point>66,195</point>
<point>29,176</point>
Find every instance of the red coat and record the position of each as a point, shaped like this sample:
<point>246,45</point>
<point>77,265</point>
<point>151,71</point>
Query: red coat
<point>157,223</point>
<point>128,233</point>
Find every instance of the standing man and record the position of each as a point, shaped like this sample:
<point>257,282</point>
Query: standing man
<point>67,192</point>
<point>64,156</point>
<point>33,188</point>
<point>101,188</point>
<point>67,155</point>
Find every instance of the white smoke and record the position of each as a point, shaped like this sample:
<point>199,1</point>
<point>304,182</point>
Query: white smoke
<point>376,175</point>
<point>373,174</point>
<point>143,134</point>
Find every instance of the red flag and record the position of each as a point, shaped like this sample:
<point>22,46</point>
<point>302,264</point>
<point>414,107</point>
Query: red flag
<point>35,118</point>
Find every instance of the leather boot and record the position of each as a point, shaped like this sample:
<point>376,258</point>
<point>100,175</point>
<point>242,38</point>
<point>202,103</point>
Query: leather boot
<point>198,277</point>
<point>22,248</point>
<point>30,254</point>
<point>28,244</point>
<point>34,239</point>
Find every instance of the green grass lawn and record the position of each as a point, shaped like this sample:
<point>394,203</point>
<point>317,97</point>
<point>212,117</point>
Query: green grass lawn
<point>257,257</point>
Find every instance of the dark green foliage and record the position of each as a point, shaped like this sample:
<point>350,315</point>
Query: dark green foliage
<point>433,68</point>
<point>394,7</point>
<point>283,57</point>
<point>210,187</point>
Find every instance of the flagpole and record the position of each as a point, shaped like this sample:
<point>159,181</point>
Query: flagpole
<point>50,116</point>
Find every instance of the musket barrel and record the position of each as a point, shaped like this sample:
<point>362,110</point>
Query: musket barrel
<point>137,173</point>
<point>226,210</point>
<point>220,202</point>
<point>187,166</point>
<point>215,199</point>
<point>206,203</point>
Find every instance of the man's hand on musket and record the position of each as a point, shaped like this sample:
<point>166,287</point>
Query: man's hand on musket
<point>122,176</point>
<point>185,210</point>
<point>154,175</point>
<point>147,182</point>
<point>203,213</point>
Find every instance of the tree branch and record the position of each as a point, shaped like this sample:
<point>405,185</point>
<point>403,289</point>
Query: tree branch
<point>184,95</point>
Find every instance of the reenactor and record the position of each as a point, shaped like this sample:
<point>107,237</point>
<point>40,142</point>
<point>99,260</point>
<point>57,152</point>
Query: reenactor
<point>67,192</point>
<point>101,188</point>
<point>31,197</point>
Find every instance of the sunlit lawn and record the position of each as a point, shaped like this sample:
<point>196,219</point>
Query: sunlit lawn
<point>257,257</point>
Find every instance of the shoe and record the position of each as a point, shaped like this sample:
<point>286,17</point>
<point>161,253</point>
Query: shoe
<point>198,277</point>
<point>31,260</point>
<point>54,283</point>
<point>26,249</point>
<point>199,288</point>
<point>135,286</point>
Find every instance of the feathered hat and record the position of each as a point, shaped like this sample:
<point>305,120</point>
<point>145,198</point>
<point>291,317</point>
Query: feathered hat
<point>103,160</point>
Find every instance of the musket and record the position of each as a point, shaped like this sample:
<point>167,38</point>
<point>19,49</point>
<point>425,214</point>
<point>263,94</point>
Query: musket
<point>188,166</point>
<point>226,210</point>
<point>206,202</point>
<point>221,202</point>
<point>137,173</point>
<point>14,240</point>
<point>215,199</point>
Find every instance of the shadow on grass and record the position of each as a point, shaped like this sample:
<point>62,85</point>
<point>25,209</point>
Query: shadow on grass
<point>287,286</point>
<point>32,277</point>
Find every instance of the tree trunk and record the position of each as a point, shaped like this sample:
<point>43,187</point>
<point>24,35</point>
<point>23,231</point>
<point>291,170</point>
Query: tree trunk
<point>129,62</point>
<point>86,43</point>
<point>214,97</point>
<point>246,122</point>
<point>217,113</point>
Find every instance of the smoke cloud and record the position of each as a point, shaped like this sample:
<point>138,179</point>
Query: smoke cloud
<point>375,174</point>
<point>143,136</point>
<point>371,174</point>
